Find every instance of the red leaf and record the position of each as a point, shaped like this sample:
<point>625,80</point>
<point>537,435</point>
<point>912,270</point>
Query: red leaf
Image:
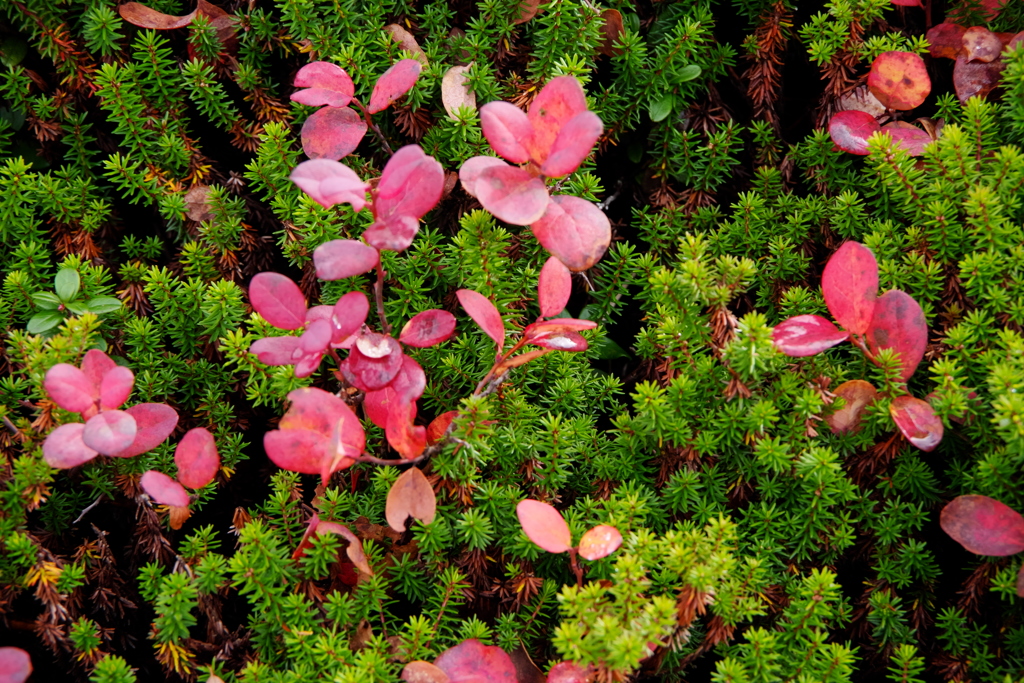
<point>910,138</point>
<point>983,525</point>
<point>115,387</point>
<point>422,672</point>
<point>278,300</point>
<point>328,183</point>
<point>899,80</point>
<point>146,17</point>
<point>898,323</point>
<point>65,449</point>
<point>373,362</point>
<point>806,335</point>
<point>428,328</point>
<point>573,144</point>
<point>1020,581</point>
<point>96,365</point>
<point>851,129</point>
<point>163,489</point>
<point>554,287</point>
<point>410,496</point>
<point>314,409</point>
<point>908,3</point>
<point>570,672</point>
<point>574,231</point>
<point>560,341</point>
<point>484,314</point>
<point>376,405</point>
<point>15,665</point>
<point>297,450</point>
<point>154,422</point>
<point>410,382</point>
<point>348,440</point>
<point>331,133</point>
<point>339,259</point>
<point>349,315</point>
<point>405,437</point>
<point>975,79</point>
<point>981,45</point>
<point>470,172</point>
<point>508,130</point>
<point>439,425</point>
<point>558,102</point>
<point>917,421</point>
<point>544,525</point>
<point>325,84</point>
<point>558,325</point>
<point>355,546</point>
<point>110,432</point>
<point>945,40</point>
<point>850,286</point>
<point>410,186</point>
<point>857,395</point>
<point>511,194</point>
<point>601,541</point>
<point>197,459</point>
<point>473,662</point>
<point>276,350</point>
<point>70,388</point>
<point>394,83</point>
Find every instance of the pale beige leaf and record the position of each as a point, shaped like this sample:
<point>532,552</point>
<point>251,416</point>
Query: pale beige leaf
<point>455,90</point>
<point>408,42</point>
<point>410,496</point>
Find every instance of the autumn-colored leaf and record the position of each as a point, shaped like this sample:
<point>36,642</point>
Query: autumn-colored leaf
<point>899,80</point>
<point>145,17</point>
<point>601,541</point>
<point>394,83</point>
<point>527,10</point>
<point>70,388</point>
<point>304,441</point>
<point>908,3</point>
<point>945,40</point>
<point>15,665</point>
<point>981,45</point>
<point>428,328</point>
<point>278,300</point>
<point>570,672</point>
<point>559,341</point>
<point>1020,581</point>
<point>917,421</point>
<point>110,432</point>
<point>544,525</point>
<point>324,84</point>
<point>154,423</point>
<point>861,99</point>
<point>276,350</point>
<point>983,525</point>
<point>554,287</point>
<point>163,489</point>
<point>898,323</point>
<point>197,458</point>
<point>407,41</point>
<point>857,396</point>
<point>332,133</point>
<point>849,284</point>
<point>806,335</point>
<point>473,662</point>
<point>439,425</point>
<point>115,387</point>
<point>508,131</point>
<point>574,231</point>
<point>484,314</point>
<point>572,144</point>
<point>410,496</point>
<point>907,136</point>
<point>558,102</point>
<point>423,672</point>
<point>339,259</point>
<point>405,437</point>
<point>510,193</point>
<point>373,361</point>
<point>975,79</point>
<point>328,183</point>
<point>409,187</point>
<point>456,92</point>
<point>64,448</point>
<point>850,130</point>
<point>348,316</point>
<point>611,31</point>
<point>96,365</point>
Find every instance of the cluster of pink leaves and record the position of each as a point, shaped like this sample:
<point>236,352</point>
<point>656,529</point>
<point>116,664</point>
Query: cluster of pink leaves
<point>545,526</point>
<point>891,321</point>
<point>473,662</point>
<point>985,526</point>
<point>335,130</point>
<point>549,141</point>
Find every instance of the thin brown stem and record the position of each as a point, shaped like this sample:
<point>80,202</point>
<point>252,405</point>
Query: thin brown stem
<point>576,569</point>
<point>373,126</point>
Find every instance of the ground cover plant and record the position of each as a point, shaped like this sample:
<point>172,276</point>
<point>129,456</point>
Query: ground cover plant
<point>507,341</point>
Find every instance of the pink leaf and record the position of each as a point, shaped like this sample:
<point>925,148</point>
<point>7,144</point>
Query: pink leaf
<point>850,286</point>
<point>419,671</point>
<point>404,436</point>
<point>573,144</point>
<point>316,338</point>
<point>983,525</point>
<point>276,350</point>
<point>348,440</point>
<point>314,409</point>
<point>110,432</point>
<point>297,450</point>
<point>154,422</point>
<point>554,286</point>
<point>15,665</point>
<point>806,335</point>
<point>339,259</point>
<point>508,129</point>
<point>469,174</point>
<point>484,314</point>
<point>574,231</point>
<point>331,133</point>
<point>394,83</point>
<point>70,388</point>
<point>348,316</point>
<point>570,672</point>
<point>857,395</point>
<point>558,102</point>
<point>473,662</point>
<point>96,365</point>
<point>428,328</point>
<point>410,186</point>
<point>197,459</point>
<point>544,525</point>
<point>558,325</point>
<point>393,233</point>
<point>908,3</point>
<point>325,83</point>
<point>163,489</point>
<point>376,405</point>
<point>559,341</point>
<point>601,541</point>
<point>899,324</point>
<point>116,387</point>
<point>910,138</point>
<point>917,421</point>
<point>851,129</point>
<point>278,300</point>
<point>511,194</point>
<point>328,183</point>
<point>65,449</point>
<point>373,362</point>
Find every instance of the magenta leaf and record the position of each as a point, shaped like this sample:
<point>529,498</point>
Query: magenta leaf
<point>296,450</point>
<point>570,672</point>
<point>154,422</point>
<point>473,662</point>
<point>850,286</point>
<point>197,459</point>
<point>806,335</point>
<point>347,442</point>
<point>554,286</point>
<point>163,489</point>
<point>394,83</point>
<point>96,365</point>
<point>373,362</point>
<point>573,144</point>
<point>910,138</point>
<point>339,259</point>
<point>899,324</point>
<point>508,130</point>
<point>544,525</point>
<point>469,174</point>
<point>278,300</point>
<point>15,665</point>
<point>559,341</point>
<point>851,129</point>
<point>917,421</point>
<point>484,314</point>
<point>348,315</point>
<point>983,525</point>
<point>328,183</point>
<point>410,186</point>
<point>601,541</point>
<point>511,194</point>
<point>316,338</point>
<point>410,382</point>
<point>70,388</point>
<point>376,405</point>
<point>115,387</point>
<point>559,101</point>
<point>277,350</point>
<point>331,133</point>
<point>325,84</point>
<point>303,442</point>
<point>428,328</point>
<point>558,325</point>
<point>574,231</point>
<point>110,432</point>
<point>65,449</point>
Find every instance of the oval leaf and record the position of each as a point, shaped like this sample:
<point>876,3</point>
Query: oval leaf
<point>163,489</point>
<point>110,432</point>
<point>115,387</point>
<point>145,17</point>
<point>899,324</point>
<point>511,194</point>
<point>404,436</point>
<point>339,259</point>
<point>278,300</point>
<point>373,362</point>
<point>15,665</point>
<point>484,314</point>
<point>601,541</point>
<point>899,80</point>
<point>574,231</point>
<point>428,328</point>
<point>154,423</point>
<point>408,42</point>
<point>469,174</point>
<point>570,672</point>
<point>983,525</point>
<point>394,83</point>
<point>558,102</point>
<point>945,40</point>
<point>331,133</point>
<point>197,459</point>
<point>328,183</point>
<point>917,421</point>
<point>456,92</point>
<point>850,131</point>
<point>981,45</point>
<point>473,662</point>
<point>508,129</point>
<point>439,425</point>
<point>348,315</point>
<point>573,144</point>
<point>850,286</point>
<point>325,84</point>
<point>65,449</point>
<point>544,525</point>
<point>806,335</point>
<point>70,388</point>
<point>297,450</point>
<point>376,405</point>
<point>975,79</point>
<point>857,395</point>
<point>559,341</point>
<point>410,496</point>
<point>96,365</point>
<point>423,672</point>
<point>277,350</point>
<point>910,138</point>
<point>554,287</point>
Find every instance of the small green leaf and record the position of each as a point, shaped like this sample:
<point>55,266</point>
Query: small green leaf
<point>103,304</point>
<point>101,344</point>
<point>688,73</point>
<point>662,108</point>
<point>12,51</point>
<point>67,283</point>
<point>46,301</point>
<point>41,322</point>
<point>77,307</point>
